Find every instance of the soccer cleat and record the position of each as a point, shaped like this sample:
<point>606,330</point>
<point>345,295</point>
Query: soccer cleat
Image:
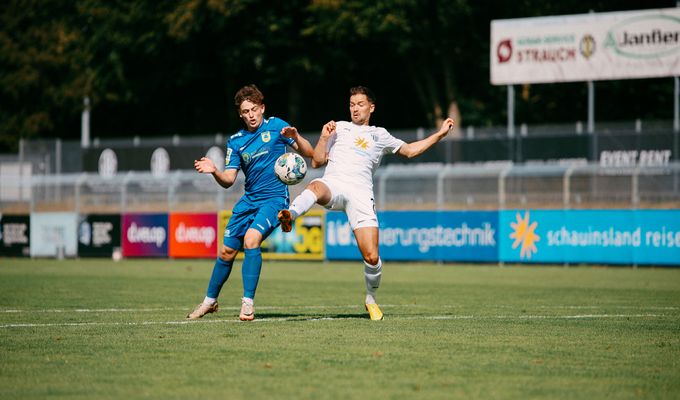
<point>286,220</point>
<point>374,312</point>
<point>247,310</point>
<point>203,309</point>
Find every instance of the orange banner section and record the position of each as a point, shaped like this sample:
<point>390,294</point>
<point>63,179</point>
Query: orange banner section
<point>193,235</point>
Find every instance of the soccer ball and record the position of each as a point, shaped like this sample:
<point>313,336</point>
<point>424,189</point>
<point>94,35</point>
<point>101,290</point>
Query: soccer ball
<point>290,168</point>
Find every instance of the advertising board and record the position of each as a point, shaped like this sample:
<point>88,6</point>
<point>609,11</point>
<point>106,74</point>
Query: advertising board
<point>145,235</point>
<point>590,236</point>
<point>421,235</point>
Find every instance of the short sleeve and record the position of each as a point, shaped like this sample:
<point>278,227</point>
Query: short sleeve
<point>390,143</point>
<point>232,159</point>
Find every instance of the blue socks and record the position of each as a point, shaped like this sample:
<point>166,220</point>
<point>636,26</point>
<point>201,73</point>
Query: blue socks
<point>250,271</point>
<point>252,264</point>
<point>220,274</point>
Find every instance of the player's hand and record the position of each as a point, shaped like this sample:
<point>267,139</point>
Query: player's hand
<point>446,127</point>
<point>205,165</point>
<point>290,132</point>
<point>328,129</point>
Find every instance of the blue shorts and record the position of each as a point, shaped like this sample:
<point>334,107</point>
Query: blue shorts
<point>246,215</point>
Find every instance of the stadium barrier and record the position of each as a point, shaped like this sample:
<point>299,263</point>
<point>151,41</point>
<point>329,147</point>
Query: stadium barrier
<point>630,237</point>
<point>174,235</point>
<point>469,144</point>
<point>52,215</point>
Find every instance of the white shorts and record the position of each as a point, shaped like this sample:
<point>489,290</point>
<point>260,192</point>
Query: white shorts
<point>358,204</point>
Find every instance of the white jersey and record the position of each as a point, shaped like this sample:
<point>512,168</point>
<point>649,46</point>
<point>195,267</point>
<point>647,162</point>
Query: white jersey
<point>355,151</point>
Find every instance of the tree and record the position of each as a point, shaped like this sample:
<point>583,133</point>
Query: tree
<point>41,88</point>
<point>428,37</point>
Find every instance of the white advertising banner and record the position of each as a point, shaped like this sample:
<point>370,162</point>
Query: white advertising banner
<point>586,47</point>
<point>53,234</point>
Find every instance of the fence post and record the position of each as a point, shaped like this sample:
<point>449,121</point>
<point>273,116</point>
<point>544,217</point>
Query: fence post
<point>381,190</point>
<point>123,192</point>
<point>79,182</point>
<point>501,187</point>
<point>440,187</point>
<point>635,191</point>
<point>566,194</point>
<point>173,182</point>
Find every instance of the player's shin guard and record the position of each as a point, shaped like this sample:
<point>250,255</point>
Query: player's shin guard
<point>220,274</point>
<point>252,265</point>
<point>302,203</point>
<point>372,275</point>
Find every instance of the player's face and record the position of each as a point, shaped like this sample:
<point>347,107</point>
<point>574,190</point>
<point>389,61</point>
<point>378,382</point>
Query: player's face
<point>360,108</point>
<point>251,114</point>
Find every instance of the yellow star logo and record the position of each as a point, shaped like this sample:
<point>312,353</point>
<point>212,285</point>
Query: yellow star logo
<point>524,234</point>
<point>361,143</point>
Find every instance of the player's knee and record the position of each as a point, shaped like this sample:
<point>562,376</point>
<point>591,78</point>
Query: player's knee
<point>251,242</point>
<point>371,257</point>
<point>227,253</point>
<point>320,191</point>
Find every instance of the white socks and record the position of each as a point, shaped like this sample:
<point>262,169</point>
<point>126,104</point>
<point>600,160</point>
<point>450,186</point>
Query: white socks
<point>302,203</point>
<point>209,300</point>
<point>372,275</point>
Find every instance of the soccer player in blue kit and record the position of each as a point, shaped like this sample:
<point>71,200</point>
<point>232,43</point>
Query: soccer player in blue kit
<point>253,150</point>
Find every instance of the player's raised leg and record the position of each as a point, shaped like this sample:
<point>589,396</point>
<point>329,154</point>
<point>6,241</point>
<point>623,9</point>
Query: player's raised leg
<point>367,240</point>
<point>316,192</point>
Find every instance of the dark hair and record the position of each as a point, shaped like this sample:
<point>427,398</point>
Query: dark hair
<point>250,93</point>
<point>362,90</point>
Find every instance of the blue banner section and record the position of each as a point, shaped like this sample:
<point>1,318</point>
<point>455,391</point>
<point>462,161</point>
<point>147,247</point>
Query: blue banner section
<point>421,235</point>
<point>590,236</point>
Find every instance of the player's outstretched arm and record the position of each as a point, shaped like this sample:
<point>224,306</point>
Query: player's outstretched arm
<point>414,149</point>
<point>301,144</point>
<point>320,154</point>
<point>223,178</point>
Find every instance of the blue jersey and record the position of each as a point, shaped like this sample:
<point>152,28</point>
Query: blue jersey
<point>255,154</point>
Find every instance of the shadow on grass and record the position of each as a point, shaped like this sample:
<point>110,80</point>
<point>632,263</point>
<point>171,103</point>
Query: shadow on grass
<point>307,316</point>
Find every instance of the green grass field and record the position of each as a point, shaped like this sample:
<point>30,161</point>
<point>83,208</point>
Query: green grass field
<point>95,329</point>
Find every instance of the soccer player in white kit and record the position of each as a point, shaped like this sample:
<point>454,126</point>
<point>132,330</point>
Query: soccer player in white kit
<point>352,152</point>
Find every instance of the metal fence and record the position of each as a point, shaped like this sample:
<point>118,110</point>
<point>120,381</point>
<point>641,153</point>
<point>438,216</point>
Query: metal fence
<point>466,144</point>
<point>428,186</point>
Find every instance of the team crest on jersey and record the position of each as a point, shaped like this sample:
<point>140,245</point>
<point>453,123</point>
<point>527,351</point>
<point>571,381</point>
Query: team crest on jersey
<point>266,136</point>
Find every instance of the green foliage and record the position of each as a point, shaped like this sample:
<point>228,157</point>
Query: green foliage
<point>97,329</point>
<point>172,67</point>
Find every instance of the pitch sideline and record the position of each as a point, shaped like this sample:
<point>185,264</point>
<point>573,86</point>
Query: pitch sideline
<point>319,319</point>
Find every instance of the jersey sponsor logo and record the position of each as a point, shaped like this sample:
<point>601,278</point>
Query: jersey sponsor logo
<point>361,143</point>
<point>246,158</point>
<point>260,153</point>
<point>361,146</point>
<point>266,136</point>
